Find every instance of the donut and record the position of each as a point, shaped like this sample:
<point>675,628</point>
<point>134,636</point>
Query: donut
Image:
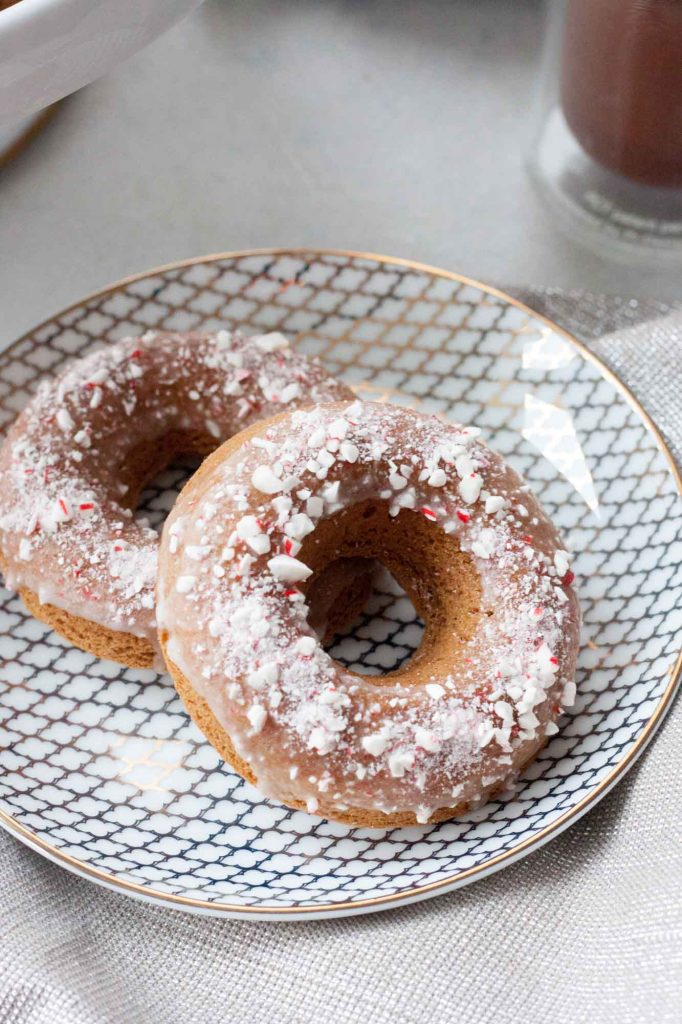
<point>77,458</point>
<point>470,545</point>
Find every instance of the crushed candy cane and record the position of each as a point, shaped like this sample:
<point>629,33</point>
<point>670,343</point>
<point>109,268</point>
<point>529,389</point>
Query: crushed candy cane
<point>105,402</point>
<point>335,739</point>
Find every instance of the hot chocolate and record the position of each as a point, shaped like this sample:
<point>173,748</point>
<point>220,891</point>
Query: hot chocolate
<point>621,85</point>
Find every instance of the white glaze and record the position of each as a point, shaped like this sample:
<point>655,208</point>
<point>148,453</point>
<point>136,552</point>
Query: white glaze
<point>66,529</point>
<point>311,730</point>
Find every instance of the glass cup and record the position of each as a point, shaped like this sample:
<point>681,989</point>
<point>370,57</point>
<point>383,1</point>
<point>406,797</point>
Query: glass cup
<point>607,150</point>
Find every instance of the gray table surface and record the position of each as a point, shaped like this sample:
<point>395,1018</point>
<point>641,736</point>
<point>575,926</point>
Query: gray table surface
<point>388,125</point>
<point>392,126</point>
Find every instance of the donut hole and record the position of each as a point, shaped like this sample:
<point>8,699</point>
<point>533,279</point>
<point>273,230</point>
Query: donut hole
<point>420,590</point>
<point>375,628</point>
<point>157,469</point>
<point>160,493</point>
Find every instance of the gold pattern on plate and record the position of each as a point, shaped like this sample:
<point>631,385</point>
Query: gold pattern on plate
<point>403,332</point>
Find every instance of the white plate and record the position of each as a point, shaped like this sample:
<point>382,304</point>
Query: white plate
<point>103,772</point>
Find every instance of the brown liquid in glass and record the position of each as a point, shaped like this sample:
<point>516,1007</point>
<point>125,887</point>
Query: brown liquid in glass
<point>621,85</point>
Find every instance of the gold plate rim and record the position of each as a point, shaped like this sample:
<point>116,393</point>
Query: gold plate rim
<point>492,865</point>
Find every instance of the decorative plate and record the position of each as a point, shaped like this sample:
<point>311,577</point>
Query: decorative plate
<point>101,769</point>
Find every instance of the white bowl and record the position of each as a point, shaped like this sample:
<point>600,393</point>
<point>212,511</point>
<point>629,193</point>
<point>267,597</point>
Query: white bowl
<point>49,48</point>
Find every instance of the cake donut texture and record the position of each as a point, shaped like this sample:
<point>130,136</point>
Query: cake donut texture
<point>75,461</point>
<point>483,565</point>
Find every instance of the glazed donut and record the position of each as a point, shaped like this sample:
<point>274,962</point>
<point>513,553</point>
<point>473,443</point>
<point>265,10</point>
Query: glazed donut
<point>459,531</point>
<point>75,461</point>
